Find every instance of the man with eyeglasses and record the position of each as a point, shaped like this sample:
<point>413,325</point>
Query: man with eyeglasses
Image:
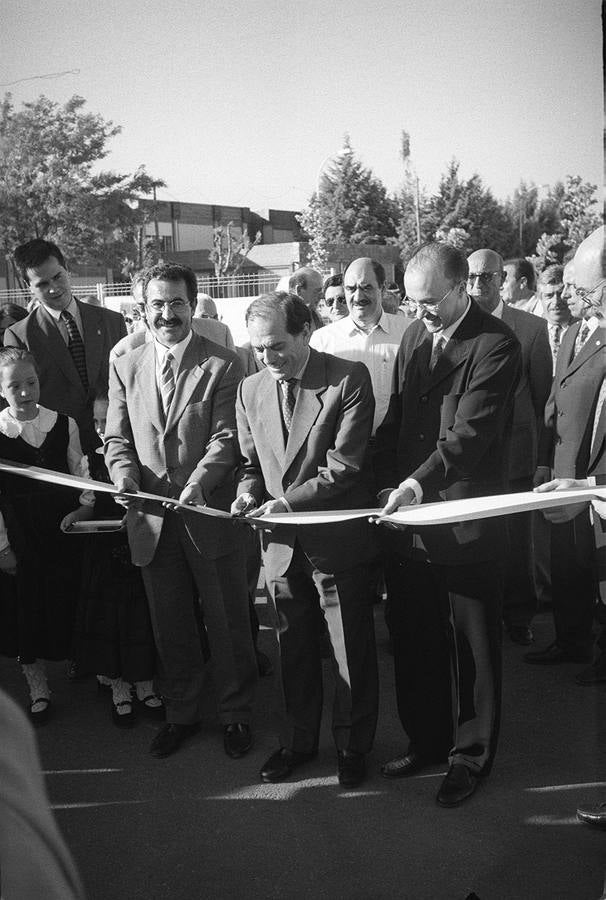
<point>446,437</point>
<point>484,282</point>
<point>566,451</point>
<point>171,431</point>
<point>334,298</point>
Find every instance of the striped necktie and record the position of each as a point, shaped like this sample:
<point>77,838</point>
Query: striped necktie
<point>167,383</point>
<point>555,335</point>
<point>581,337</point>
<point>436,353</point>
<point>288,401</point>
<point>75,345</point>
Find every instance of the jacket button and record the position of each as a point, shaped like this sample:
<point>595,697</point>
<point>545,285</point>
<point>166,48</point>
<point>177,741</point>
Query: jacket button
<point>421,437</point>
<point>424,398</point>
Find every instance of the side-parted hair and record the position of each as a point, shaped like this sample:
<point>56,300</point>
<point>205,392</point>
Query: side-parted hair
<point>523,268</point>
<point>332,281</point>
<point>376,267</point>
<point>452,260</point>
<point>551,275</point>
<point>295,312</point>
<point>11,355</point>
<point>172,272</point>
<point>34,253</point>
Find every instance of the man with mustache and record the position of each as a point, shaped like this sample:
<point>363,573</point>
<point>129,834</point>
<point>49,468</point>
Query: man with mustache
<point>171,431</point>
<point>550,290</point>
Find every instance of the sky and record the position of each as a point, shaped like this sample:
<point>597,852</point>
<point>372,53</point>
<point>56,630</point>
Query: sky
<point>241,102</point>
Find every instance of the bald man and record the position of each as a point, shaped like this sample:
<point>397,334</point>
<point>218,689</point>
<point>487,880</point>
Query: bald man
<point>307,284</point>
<point>568,452</point>
<point>484,283</point>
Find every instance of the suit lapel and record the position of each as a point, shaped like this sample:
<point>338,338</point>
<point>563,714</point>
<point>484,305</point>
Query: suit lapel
<point>92,336</point>
<point>592,345</point>
<point>188,378</point>
<point>271,416</point>
<point>145,376</point>
<point>307,407</point>
<point>455,352</point>
<point>55,346</point>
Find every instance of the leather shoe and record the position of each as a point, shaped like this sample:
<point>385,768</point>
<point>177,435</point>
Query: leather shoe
<point>282,763</point>
<point>520,634</point>
<point>459,784</point>
<point>593,674</point>
<point>554,655</point>
<point>594,814</point>
<point>237,739</point>
<point>351,768</point>
<point>170,737</point>
<point>404,766</point>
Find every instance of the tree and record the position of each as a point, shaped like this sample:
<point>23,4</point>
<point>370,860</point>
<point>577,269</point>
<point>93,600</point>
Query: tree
<point>48,187</point>
<point>228,252</point>
<point>351,207</point>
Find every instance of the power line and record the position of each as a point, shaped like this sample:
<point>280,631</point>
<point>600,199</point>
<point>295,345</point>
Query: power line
<point>38,77</point>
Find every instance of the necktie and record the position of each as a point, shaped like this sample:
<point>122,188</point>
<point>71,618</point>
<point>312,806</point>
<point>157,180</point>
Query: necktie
<point>167,383</point>
<point>436,353</point>
<point>75,345</point>
<point>288,401</point>
<point>581,337</point>
<point>556,337</point>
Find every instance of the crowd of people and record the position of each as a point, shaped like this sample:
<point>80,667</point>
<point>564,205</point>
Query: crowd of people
<point>477,380</point>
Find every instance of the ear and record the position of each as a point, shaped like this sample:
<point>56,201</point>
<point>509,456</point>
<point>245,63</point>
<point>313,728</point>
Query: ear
<point>523,281</point>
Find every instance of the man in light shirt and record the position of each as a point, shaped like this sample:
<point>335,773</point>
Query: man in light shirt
<point>517,288</point>
<point>445,437</point>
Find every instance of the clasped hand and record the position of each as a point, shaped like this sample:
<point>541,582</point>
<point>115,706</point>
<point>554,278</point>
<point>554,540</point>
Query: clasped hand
<point>394,499</point>
<point>245,507</point>
<point>561,514</point>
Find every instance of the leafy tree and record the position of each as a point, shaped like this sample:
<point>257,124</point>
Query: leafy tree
<point>48,187</point>
<point>228,252</point>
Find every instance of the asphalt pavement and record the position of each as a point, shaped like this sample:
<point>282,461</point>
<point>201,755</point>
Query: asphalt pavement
<point>200,825</point>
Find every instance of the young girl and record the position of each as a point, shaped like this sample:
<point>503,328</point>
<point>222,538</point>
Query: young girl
<point>113,635</point>
<point>40,564</point>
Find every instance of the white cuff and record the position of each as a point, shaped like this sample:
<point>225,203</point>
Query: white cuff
<point>414,486</point>
<point>286,503</point>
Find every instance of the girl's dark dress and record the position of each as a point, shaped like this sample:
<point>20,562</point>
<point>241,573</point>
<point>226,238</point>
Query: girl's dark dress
<point>113,634</point>
<point>37,606</point>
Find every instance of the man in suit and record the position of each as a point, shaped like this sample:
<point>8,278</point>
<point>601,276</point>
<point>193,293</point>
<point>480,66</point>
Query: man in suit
<point>554,308</point>
<point>486,276</point>
<point>565,452</point>
<point>171,431</point>
<point>446,437</point>
<point>303,424</point>
<point>70,340</point>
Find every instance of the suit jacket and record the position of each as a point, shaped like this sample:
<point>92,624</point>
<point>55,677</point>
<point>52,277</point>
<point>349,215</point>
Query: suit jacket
<point>532,391</point>
<point>196,443</point>
<point>321,464</point>
<point>449,429</point>
<point>60,385</point>
<point>570,410</point>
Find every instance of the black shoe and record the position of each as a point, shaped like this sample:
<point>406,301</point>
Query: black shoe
<point>41,715</point>
<point>351,767</point>
<point>282,763</point>
<point>553,655</point>
<point>169,739</point>
<point>520,634</point>
<point>237,739</point>
<point>593,674</point>
<point>459,784</point>
<point>264,666</point>
<point>404,766</point>
<point>125,719</point>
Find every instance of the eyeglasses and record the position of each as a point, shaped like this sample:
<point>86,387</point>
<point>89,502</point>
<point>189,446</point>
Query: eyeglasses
<point>431,304</point>
<point>173,305</point>
<point>483,277</point>
<point>585,296</point>
<point>337,300</point>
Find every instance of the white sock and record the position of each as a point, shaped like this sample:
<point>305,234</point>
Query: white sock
<point>35,676</point>
<point>145,689</point>
<point>121,694</point>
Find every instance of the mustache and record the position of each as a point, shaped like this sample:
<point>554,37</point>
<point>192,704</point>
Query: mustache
<point>167,322</point>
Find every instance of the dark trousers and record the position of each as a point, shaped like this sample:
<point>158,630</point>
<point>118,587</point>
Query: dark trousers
<point>519,598</point>
<point>185,589</point>
<point>446,628</point>
<point>574,586</point>
<point>343,598</point>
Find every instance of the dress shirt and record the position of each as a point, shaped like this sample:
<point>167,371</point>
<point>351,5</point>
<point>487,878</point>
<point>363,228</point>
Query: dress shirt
<point>72,309</point>
<point>498,312</point>
<point>444,335</point>
<point>33,432</point>
<point>176,351</point>
<point>377,349</point>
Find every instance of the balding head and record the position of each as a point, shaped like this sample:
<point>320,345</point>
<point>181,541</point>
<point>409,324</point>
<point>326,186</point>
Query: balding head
<point>485,278</point>
<point>590,272</point>
<point>206,307</point>
<point>306,283</point>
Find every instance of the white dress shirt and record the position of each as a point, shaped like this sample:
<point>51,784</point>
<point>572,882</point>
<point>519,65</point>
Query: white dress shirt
<point>33,432</point>
<point>177,351</point>
<point>377,349</point>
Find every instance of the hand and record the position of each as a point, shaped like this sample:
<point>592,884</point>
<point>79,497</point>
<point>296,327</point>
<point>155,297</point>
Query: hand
<point>266,509</point>
<point>192,495</point>
<point>82,514</point>
<point>393,500</point>
<point>542,474</point>
<point>127,487</point>
<point>599,506</point>
<point>243,504</point>
<point>8,562</point>
<point>560,484</point>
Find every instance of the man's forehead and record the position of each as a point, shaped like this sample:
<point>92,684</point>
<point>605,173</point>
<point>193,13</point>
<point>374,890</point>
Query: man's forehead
<point>360,271</point>
<point>159,287</point>
<point>484,261</point>
<point>50,266</point>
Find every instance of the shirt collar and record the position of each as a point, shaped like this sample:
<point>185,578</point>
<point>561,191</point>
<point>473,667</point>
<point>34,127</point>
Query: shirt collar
<point>447,333</point>
<point>498,311</point>
<point>56,313</point>
<point>176,351</point>
<point>351,328</point>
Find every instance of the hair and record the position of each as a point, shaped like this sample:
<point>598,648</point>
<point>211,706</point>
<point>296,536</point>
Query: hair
<point>295,312</point>
<point>551,275</point>
<point>376,267</point>
<point>11,355</point>
<point>452,260</point>
<point>523,268</point>
<point>14,311</point>
<point>172,272</point>
<point>34,253</point>
<point>332,281</point>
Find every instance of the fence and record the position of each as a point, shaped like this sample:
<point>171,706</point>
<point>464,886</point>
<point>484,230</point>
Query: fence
<point>219,288</point>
